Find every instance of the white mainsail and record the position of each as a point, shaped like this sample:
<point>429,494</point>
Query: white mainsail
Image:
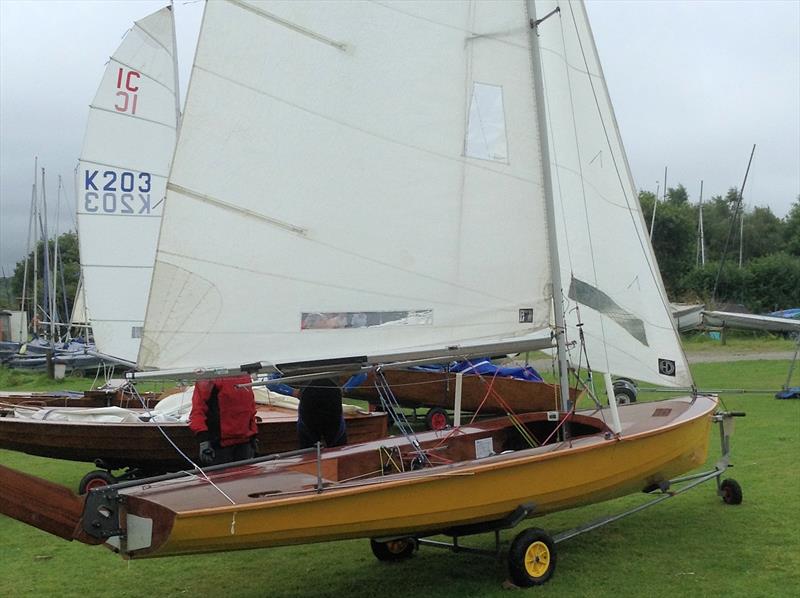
<point>351,179</point>
<point>612,284</point>
<point>121,181</point>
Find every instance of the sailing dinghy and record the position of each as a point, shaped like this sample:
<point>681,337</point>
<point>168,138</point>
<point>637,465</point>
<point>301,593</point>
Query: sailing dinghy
<point>364,186</point>
<point>121,180</point>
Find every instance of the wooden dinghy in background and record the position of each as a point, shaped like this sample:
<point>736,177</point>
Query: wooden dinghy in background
<point>419,388</point>
<point>115,393</point>
<point>141,446</point>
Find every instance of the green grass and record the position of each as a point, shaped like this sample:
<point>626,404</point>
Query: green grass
<point>737,340</point>
<point>692,545</point>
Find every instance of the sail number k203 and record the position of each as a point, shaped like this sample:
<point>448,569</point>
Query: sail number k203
<point>117,192</point>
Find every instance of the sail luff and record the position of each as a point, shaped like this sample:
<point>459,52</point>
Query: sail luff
<point>555,265</point>
<point>618,300</point>
<point>176,72</point>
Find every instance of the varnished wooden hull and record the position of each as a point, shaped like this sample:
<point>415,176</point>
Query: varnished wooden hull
<point>85,400</point>
<point>437,389</point>
<point>278,504</point>
<point>143,446</point>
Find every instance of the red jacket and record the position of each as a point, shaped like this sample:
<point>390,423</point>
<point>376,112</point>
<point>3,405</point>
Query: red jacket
<point>223,413</point>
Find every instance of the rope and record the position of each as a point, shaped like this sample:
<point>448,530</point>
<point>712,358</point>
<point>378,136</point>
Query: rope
<point>175,446</point>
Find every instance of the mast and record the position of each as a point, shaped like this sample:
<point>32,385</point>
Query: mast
<point>54,298</point>
<point>700,226</point>
<point>741,233</point>
<point>47,273</point>
<point>552,241</point>
<point>175,67</point>
<point>35,316</point>
<point>736,210</point>
<point>27,258</point>
<point>655,201</point>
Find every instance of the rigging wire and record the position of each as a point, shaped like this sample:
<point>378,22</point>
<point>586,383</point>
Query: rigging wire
<point>389,402</point>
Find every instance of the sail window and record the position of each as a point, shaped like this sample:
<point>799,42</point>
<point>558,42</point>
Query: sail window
<point>486,125</point>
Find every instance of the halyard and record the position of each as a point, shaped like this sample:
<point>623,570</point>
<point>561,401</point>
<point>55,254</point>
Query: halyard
<point>693,544</point>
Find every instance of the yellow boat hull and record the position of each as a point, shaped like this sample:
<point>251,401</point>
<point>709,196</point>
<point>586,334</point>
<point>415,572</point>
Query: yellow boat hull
<point>553,477</point>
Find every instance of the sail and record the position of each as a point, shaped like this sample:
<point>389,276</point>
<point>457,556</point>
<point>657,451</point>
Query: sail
<point>611,281</point>
<point>121,181</point>
<point>351,179</point>
<point>80,309</point>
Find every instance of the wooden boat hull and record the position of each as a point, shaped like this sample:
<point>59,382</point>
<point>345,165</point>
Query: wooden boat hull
<point>143,446</point>
<point>437,389</point>
<point>277,503</point>
<point>118,397</point>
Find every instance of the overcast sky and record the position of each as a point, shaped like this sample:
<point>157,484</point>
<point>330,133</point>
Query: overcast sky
<point>694,84</point>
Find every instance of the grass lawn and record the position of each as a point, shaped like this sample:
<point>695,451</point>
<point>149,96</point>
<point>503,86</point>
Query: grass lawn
<point>692,545</point>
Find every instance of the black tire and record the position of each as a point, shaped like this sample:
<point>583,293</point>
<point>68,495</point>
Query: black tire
<point>731,492</point>
<point>437,419</point>
<point>626,382</point>
<point>393,550</point>
<point>532,558</point>
<point>95,479</point>
<point>624,395</point>
<point>77,373</point>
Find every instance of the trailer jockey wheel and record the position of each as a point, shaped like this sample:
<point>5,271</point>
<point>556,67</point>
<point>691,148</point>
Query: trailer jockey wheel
<point>436,419</point>
<point>95,479</point>
<point>731,492</point>
<point>393,550</point>
<point>532,558</point>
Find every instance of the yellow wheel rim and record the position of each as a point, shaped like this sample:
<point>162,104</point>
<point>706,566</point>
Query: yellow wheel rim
<point>537,559</point>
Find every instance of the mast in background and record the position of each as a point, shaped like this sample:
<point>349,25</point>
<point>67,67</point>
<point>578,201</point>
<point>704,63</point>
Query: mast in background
<point>701,248</point>
<point>35,311</point>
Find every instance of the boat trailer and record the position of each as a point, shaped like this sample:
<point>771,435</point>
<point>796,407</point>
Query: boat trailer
<point>532,554</point>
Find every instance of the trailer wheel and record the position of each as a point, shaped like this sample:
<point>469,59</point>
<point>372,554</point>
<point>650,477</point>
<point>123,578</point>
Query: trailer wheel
<point>393,550</point>
<point>532,558</point>
<point>625,391</point>
<point>436,419</point>
<point>624,395</point>
<point>95,479</point>
<point>731,492</point>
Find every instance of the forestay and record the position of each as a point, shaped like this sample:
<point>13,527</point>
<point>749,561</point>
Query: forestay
<point>350,179</point>
<point>610,276</point>
<point>121,181</point>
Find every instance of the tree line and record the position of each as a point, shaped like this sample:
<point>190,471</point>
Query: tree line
<point>769,276</point>
<point>67,274</point>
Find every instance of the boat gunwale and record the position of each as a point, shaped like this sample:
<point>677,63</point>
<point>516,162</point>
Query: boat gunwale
<point>476,466</point>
